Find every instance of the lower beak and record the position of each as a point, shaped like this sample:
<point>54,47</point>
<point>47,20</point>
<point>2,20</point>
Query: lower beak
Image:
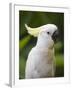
<point>55,36</point>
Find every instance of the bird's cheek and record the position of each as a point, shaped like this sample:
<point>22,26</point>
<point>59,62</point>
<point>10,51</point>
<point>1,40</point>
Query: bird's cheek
<point>51,46</point>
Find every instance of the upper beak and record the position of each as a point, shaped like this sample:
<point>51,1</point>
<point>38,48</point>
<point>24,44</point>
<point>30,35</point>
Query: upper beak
<point>55,36</point>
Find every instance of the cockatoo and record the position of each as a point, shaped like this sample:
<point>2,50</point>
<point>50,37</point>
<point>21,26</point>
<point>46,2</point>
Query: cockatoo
<point>41,59</point>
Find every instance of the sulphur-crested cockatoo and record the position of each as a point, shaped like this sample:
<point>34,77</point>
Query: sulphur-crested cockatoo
<point>41,59</point>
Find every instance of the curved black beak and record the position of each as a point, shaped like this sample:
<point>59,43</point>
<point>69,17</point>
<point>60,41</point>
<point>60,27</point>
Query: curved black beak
<point>55,36</point>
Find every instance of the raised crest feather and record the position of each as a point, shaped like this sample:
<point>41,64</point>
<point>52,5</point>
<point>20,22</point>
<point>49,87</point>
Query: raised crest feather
<point>32,31</point>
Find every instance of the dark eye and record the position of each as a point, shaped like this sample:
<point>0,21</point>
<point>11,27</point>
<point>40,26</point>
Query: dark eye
<point>48,33</point>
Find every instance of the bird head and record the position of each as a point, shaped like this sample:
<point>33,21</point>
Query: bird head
<point>48,31</point>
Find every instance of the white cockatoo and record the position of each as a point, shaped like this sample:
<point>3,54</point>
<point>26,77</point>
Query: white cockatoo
<point>41,59</point>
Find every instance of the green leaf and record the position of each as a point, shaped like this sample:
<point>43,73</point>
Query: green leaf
<point>23,42</point>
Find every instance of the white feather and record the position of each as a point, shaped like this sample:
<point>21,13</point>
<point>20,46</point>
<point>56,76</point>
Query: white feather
<point>41,59</point>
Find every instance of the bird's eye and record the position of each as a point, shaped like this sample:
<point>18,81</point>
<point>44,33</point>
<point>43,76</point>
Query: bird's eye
<point>48,33</point>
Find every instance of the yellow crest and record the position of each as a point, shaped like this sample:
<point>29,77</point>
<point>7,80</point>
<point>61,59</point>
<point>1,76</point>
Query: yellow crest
<point>33,31</point>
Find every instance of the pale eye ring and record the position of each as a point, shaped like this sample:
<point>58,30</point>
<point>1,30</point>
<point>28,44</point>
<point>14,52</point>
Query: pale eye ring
<point>48,32</point>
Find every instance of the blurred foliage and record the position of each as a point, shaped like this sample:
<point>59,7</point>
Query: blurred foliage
<point>26,42</point>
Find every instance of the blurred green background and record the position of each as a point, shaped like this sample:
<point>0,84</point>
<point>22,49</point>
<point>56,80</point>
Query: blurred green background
<point>26,41</point>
